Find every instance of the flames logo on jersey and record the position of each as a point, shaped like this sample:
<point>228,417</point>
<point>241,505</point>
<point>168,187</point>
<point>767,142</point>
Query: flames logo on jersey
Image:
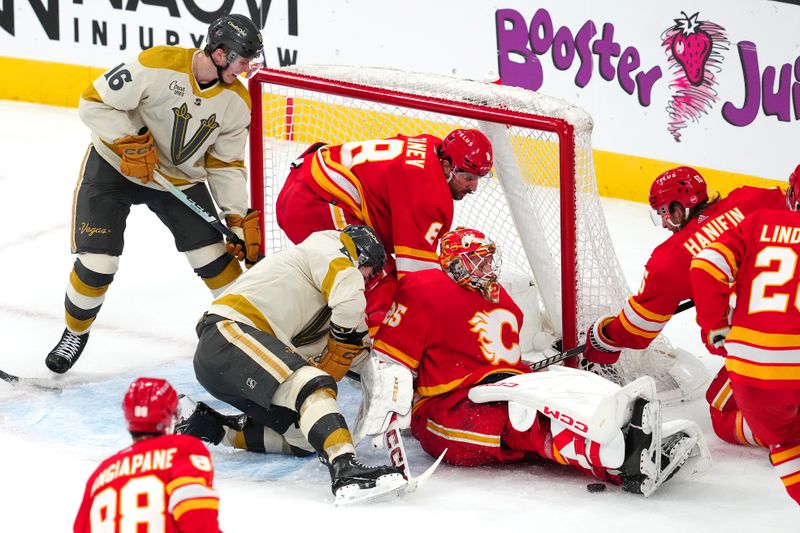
<point>489,327</point>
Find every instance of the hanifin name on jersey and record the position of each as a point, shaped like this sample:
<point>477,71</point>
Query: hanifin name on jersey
<point>712,229</point>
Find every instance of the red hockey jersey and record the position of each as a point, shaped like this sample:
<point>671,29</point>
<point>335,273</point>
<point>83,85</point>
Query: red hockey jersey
<point>761,256</point>
<point>666,278</point>
<point>450,336</point>
<point>394,185</point>
<point>157,484</point>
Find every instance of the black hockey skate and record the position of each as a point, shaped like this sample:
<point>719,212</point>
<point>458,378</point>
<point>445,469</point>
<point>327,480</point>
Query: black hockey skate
<point>353,482</point>
<point>205,423</point>
<point>66,352</point>
<point>651,459</point>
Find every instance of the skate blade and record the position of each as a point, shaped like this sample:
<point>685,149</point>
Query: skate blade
<point>387,485</point>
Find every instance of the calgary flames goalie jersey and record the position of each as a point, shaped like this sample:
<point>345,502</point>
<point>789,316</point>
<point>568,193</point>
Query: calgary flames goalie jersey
<point>450,336</point>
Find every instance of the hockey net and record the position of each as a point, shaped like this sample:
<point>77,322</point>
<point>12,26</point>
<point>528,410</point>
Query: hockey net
<point>542,206</point>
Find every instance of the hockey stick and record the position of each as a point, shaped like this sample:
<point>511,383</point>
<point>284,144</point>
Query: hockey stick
<point>572,352</point>
<point>202,213</point>
<point>36,383</point>
<point>397,454</point>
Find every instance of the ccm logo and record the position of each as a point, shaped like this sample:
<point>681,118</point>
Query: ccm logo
<point>500,384</point>
<point>566,419</point>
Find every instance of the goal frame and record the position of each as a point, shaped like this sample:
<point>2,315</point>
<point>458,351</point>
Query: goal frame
<point>558,126</point>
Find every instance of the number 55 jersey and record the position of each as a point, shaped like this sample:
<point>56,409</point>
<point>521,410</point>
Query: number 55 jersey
<point>451,337</point>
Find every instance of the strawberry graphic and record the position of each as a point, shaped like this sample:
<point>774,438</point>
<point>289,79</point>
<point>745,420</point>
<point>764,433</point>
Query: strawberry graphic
<point>694,55</point>
<point>691,47</point>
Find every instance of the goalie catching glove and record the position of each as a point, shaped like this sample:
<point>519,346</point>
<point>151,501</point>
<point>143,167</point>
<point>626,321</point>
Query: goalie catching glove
<point>139,155</point>
<point>387,387</point>
<point>249,233</point>
<point>344,347</point>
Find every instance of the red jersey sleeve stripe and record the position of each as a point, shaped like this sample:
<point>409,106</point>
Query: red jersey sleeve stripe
<point>185,480</point>
<point>207,504</point>
<point>633,330</point>
<point>646,313</point>
<point>416,253</point>
<point>394,353</point>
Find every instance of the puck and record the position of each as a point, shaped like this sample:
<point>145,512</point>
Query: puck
<point>596,487</point>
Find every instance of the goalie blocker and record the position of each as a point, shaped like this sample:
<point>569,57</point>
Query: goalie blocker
<point>621,426</point>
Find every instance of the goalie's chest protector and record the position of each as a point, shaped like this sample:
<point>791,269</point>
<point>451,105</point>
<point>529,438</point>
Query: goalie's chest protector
<point>467,338</point>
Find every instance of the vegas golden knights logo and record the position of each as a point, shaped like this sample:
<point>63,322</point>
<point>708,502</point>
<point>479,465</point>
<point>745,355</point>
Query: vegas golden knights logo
<point>180,150</point>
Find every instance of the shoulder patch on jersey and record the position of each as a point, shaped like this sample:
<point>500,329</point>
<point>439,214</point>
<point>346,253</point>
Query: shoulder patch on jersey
<point>168,57</point>
<point>239,88</point>
<point>201,462</point>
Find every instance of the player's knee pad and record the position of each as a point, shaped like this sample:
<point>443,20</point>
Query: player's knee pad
<point>215,266</point>
<point>100,263</point>
<point>202,257</point>
<point>88,282</point>
<point>302,384</point>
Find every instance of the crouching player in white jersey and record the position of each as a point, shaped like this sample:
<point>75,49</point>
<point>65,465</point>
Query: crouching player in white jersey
<point>181,113</point>
<point>451,340</point>
<point>274,344</point>
<point>162,482</point>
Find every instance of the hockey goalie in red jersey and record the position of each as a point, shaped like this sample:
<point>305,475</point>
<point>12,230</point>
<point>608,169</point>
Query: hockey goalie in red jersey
<point>681,204</point>
<point>403,187</point>
<point>162,482</point>
<point>761,338</point>
<point>451,341</point>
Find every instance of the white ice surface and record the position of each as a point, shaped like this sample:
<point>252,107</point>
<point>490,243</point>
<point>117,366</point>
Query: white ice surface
<point>50,443</point>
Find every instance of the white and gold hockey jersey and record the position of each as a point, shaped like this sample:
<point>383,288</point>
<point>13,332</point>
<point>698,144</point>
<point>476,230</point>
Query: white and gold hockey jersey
<point>295,294</point>
<point>200,134</point>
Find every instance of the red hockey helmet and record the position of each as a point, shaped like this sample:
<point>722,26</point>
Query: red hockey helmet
<point>683,185</point>
<point>472,260</point>
<point>150,406</point>
<point>793,191</point>
<point>468,151</point>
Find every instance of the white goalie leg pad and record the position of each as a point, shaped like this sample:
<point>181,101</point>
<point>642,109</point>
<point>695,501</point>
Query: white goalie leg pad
<point>588,453</point>
<point>387,387</point>
<point>586,403</point>
<point>698,460</point>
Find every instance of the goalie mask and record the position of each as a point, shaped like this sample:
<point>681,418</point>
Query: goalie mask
<point>682,185</point>
<point>472,260</point>
<point>469,151</point>
<point>368,245</point>
<point>150,406</point>
<point>239,37</point>
<point>793,191</point>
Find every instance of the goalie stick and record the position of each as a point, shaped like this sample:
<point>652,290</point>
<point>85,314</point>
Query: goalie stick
<point>397,454</point>
<point>572,352</point>
<point>202,213</point>
<point>36,383</point>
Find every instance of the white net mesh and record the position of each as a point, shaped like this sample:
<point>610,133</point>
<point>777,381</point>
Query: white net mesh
<point>519,208</point>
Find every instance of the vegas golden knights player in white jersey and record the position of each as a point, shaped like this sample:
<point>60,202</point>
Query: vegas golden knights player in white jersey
<point>180,112</point>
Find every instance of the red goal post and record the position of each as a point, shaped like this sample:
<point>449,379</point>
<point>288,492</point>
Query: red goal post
<point>559,127</point>
<point>542,207</point>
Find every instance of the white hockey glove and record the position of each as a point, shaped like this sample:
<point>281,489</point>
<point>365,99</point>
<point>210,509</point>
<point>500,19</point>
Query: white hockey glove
<point>387,387</point>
